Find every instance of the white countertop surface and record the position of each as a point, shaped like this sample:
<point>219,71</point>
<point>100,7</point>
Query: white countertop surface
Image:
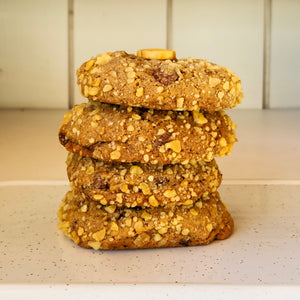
<point>261,189</point>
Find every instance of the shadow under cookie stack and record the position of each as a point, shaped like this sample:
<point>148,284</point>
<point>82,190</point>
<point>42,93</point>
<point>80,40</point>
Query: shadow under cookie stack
<point>141,151</point>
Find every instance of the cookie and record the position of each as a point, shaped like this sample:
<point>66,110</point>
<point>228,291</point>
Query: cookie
<point>144,185</point>
<point>183,84</point>
<point>92,225</point>
<point>117,133</point>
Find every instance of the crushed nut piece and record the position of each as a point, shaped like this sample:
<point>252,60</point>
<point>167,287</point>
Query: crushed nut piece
<point>157,237</point>
<point>139,92</point>
<point>199,118</point>
<point>99,235</point>
<point>110,209</point>
<point>145,188</point>
<point>139,226</point>
<point>153,201</point>
<point>170,193</point>
<point>107,88</point>
<point>185,231</point>
<point>114,226</point>
<point>84,208</point>
<point>94,245</point>
<point>174,145</point>
<point>89,64</point>
<point>135,170</point>
<point>90,170</point>
<point>115,154</point>
<point>146,216</point>
<point>209,227</point>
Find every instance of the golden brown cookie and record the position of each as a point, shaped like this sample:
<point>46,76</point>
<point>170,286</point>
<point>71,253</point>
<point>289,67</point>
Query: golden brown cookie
<point>168,84</point>
<point>117,133</point>
<point>92,225</point>
<point>144,185</point>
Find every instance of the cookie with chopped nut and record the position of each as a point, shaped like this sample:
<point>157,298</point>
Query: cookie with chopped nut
<point>92,225</point>
<point>156,79</point>
<point>144,185</point>
<point>117,133</point>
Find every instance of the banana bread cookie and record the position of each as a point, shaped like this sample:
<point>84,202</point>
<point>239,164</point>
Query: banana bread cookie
<point>154,79</point>
<point>92,225</point>
<point>144,185</point>
<point>117,133</point>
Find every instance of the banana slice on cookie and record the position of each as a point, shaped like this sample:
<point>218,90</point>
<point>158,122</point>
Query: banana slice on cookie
<point>156,54</point>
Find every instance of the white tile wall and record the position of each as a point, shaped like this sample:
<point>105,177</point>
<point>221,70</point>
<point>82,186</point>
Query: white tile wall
<point>227,32</point>
<point>34,43</point>
<point>285,54</point>
<point>33,54</point>
<point>109,25</point>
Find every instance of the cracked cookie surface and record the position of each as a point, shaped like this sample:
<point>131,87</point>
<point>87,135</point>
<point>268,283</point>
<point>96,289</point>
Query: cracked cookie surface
<point>92,225</point>
<point>177,84</point>
<point>142,185</point>
<point>126,134</point>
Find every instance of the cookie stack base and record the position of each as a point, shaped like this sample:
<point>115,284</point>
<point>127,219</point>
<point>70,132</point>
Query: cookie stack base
<point>92,225</point>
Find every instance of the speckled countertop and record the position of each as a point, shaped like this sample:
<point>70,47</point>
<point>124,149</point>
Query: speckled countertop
<point>261,189</point>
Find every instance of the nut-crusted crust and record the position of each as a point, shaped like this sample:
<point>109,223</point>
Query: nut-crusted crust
<point>184,84</point>
<point>117,133</point>
<point>91,225</point>
<point>143,185</point>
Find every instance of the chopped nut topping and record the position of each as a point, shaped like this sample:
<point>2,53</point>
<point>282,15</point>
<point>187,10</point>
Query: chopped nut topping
<point>185,231</point>
<point>90,170</point>
<point>89,64</point>
<point>107,88</point>
<point>110,209</point>
<point>170,193</point>
<point>188,202</point>
<point>103,59</point>
<point>180,102</point>
<point>174,145</point>
<point>139,226</point>
<point>153,201</point>
<point>199,204</point>
<point>139,92</point>
<point>157,54</point>
<point>146,216</point>
<point>226,86</point>
<point>115,154</point>
<point>136,117</point>
<point>119,197</point>
<point>130,128</point>
<point>199,118</point>
<point>124,187</point>
<point>157,237</point>
<point>103,201</point>
<point>114,226</point>
<point>213,81</point>
<point>93,91</point>
<point>145,188</point>
<point>84,208</point>
<point>163,230</point>
<point>99,235</point>
<point>135,170</point>
<point>131,75</point>
<point>193,212</point>
<point>98,197</point>
<point>209,227</point>
<point>159,89</point>
<point>80,231</point>
<point>94,245</point>
<point>222,142</point>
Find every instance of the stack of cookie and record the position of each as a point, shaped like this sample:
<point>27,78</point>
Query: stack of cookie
<point>141,151</point>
